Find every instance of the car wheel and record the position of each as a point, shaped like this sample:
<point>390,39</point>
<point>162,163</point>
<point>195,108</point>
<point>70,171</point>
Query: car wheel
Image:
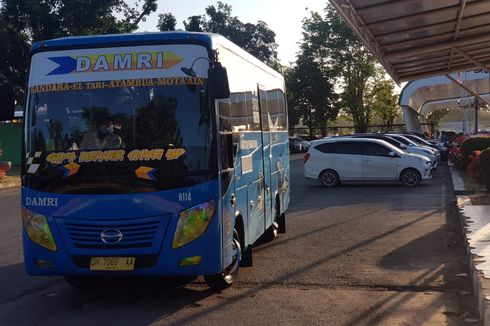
<point>329,178</point>
<point>410,177</point>
<point>226,278</point>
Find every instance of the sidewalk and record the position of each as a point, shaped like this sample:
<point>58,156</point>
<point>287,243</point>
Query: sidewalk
<point>474,207</point>
<point>12,179</point>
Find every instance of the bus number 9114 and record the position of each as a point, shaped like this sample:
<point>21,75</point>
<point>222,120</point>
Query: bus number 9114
<point>185,196</point>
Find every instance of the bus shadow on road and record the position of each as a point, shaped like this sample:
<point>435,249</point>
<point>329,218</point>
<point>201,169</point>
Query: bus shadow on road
<point>131,300</point>
<point>438,267</point>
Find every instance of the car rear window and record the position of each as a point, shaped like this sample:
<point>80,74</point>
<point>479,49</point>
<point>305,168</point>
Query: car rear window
<point>392,141</point>
<point>351,147</point>
<point>326,147</point>
<point>373,149</point>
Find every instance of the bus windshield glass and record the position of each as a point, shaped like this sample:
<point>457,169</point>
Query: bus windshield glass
<point>119,139</point>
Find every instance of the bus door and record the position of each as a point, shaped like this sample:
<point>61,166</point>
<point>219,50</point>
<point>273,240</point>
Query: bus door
<point>227,150</point>
<point>253,170</point>
<point>266,150</point>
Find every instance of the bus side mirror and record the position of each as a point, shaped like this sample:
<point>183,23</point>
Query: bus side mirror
<point>218,82</point>
<point>7,108</point>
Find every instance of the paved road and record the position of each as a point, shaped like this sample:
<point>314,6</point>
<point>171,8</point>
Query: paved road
<point>357,254</point>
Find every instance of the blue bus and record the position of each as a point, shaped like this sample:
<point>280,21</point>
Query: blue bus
<point>150,154</point>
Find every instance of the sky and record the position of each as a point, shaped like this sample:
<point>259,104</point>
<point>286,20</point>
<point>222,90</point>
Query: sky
<point>283,17</point>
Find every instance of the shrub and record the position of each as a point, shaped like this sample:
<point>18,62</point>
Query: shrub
<point>472,144</point>
<point>454,151</point>
<point>455,155</point>
<point>485,167</point>
<point>473,168</point>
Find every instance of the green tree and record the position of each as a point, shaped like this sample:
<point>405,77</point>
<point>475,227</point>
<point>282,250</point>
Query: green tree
<point>294,105</point>
<point>14,49</point>
<point>436,116</point>
<point>258,39</point>
<point>194,24</point>
<point>353,66</point>
<point>382,101</point>
<point>166,22</point>
<point>309,83</point>
<point>25,21</point>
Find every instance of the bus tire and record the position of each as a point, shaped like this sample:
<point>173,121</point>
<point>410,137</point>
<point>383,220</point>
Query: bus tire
<point>226,278</point>
<point>271,233</point>
<point>247,257</point>
<point>280,218</point>
<point>281,223</point>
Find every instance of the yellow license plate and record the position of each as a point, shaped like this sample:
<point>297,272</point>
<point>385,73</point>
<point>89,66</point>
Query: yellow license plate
<point>112,263</point>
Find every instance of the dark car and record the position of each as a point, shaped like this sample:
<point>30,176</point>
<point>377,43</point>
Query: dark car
<point>384,137</point>
<point>298,145</point>
<point>310,138</point>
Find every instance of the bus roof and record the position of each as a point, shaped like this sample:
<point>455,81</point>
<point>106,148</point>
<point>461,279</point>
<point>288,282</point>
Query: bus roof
<point>209,40</point>
<point>109,40</point>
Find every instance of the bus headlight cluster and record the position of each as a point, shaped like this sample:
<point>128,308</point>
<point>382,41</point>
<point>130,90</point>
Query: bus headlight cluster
<point>192,223</point>
<point>37,229</point>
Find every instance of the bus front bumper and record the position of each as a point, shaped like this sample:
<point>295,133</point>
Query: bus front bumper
<point>200,257</point>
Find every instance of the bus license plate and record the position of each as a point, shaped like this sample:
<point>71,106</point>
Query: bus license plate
<point>112,263</point>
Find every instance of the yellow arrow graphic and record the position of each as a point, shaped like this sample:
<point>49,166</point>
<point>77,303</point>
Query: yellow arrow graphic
<point>144,172</point>
<point>72,168</point>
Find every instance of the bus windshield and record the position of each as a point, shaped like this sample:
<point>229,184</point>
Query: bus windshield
<point>114,131</point>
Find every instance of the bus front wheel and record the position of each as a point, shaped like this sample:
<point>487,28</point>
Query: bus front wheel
<point>227,277</point>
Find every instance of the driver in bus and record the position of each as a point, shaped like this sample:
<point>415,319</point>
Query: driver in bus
<point>102,138</point>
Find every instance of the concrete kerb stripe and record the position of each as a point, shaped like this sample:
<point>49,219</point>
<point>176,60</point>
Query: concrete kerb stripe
<point>477,278</point>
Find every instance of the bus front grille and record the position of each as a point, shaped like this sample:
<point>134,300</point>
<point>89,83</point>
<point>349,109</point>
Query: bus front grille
<point>112,234</point>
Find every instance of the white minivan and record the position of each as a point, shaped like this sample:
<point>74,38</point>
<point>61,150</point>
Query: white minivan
<point>332,160</point>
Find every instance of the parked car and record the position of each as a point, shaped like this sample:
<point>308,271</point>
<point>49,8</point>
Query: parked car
<point>309,138</point>
<point>437,146</point>
<point>297,144</point>
<point>410,143</point>
<point>427,152</point>
<point>440,147</point>
<point>337,159</point>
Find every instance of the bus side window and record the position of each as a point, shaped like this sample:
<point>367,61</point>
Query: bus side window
<point>224,109</point>
<point>227,151</point>
<point>283,120</point>
<point>277,108</point>
<point>264,110</point>
<point>225,127</point>
<point>253,114</point>
<point>239,112</point>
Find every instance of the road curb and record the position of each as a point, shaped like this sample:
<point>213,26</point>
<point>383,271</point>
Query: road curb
<point>481,286</point>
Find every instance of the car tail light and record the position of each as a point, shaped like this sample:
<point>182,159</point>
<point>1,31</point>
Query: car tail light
<point>307,156</point>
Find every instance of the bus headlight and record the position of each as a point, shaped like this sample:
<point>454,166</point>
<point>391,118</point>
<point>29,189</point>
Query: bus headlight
<point>37,229</point>
<point>192,223</point>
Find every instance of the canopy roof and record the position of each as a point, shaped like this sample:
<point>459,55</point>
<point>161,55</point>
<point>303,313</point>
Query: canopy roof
<point>445,92</point>
<point>415,39</point>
